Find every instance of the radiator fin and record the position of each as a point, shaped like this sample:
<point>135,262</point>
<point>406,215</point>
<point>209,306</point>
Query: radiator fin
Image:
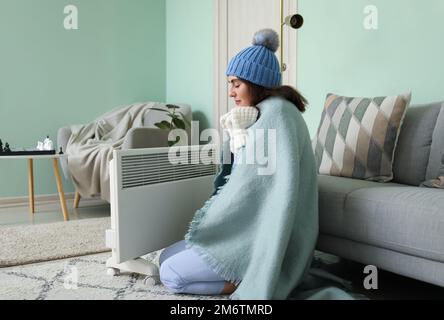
<point>155,168</point>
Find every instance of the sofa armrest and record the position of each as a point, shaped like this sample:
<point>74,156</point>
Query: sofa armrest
<point>141,137</point>
<point>63,135</point>
<point>150,136</point>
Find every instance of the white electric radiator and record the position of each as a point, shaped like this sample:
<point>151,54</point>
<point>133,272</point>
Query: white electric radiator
<point>153,200</point>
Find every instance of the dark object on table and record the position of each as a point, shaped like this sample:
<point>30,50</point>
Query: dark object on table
<point>61,151</point>
<point>29,153</point>
<point>6,151</point>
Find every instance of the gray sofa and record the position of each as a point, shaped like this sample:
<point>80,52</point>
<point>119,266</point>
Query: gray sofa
<point>396,226</point>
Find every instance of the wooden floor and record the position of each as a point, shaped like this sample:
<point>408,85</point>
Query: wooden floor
<point>50,211</point>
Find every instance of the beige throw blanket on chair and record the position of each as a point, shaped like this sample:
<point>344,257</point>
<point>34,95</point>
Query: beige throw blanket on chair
<point>90,147</point>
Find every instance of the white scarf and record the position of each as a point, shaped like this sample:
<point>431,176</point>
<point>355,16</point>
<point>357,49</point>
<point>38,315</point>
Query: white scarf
<point>236,122</point>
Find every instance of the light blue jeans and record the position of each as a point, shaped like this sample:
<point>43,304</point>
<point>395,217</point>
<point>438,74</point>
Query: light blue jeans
<point>182,270</point>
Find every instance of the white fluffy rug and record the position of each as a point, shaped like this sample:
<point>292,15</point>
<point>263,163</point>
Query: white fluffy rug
<point>81,278</point>
<point>34,265</point>
<point>43,242</point>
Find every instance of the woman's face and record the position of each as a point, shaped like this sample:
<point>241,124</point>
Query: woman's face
<point>240,92</point>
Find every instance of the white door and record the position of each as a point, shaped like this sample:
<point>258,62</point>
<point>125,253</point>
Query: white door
<point>236,21</point>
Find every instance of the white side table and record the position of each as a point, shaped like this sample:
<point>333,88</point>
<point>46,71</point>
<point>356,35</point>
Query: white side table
<point>54,158</point>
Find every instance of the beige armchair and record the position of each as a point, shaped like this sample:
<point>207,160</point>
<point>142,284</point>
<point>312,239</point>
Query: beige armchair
<point>148,136</point>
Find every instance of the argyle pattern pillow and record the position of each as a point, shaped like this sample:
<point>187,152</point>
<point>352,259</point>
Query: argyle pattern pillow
<point>357,137</point>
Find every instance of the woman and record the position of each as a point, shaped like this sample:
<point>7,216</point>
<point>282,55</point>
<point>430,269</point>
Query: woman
<point>200,264</point>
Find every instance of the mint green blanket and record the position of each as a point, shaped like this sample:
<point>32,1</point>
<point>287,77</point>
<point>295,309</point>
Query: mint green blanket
<point>260,230</point>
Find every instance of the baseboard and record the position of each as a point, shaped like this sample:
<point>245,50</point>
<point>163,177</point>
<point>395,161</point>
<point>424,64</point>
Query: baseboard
<point>38,199</point>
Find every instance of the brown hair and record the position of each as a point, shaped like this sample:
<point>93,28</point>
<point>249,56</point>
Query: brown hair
<point>259,93</point>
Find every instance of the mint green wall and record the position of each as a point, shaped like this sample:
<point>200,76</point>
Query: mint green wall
<point>51,77</point>
<point>190,56</point>
<point>336,54</point>
<point>127,51</point>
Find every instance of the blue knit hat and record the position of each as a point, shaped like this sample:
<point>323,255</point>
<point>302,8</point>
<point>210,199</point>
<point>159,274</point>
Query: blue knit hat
<point>258,63</point>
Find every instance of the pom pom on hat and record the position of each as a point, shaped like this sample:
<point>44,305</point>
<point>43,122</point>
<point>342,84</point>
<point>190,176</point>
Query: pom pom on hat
<point>258,63</point>
<point>267,38</point>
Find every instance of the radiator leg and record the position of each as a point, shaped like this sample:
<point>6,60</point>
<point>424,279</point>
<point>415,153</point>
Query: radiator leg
<point>113,272</point>
<point>140,266</point>
<point>151,281</point>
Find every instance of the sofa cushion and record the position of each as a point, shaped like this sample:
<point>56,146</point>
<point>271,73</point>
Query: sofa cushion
<point>401,218</point>
<point>437,147</point>
<point>357,136</point>
<point>413,149</point>
<point>333,192</point>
